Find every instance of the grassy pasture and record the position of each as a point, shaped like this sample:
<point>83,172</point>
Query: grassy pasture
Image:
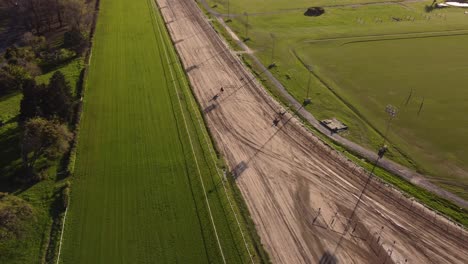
<point>145,171</point>
<point>355,81</point>
<point>437,138</point>
<point>261,6</point>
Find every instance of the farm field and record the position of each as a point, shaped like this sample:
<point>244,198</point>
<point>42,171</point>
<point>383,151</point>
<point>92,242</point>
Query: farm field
<point>364,57</point>
<point>146,185</point>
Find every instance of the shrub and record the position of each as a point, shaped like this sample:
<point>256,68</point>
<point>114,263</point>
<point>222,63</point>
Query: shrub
<point>75,40</point>
<point>65,54</point>
<point>65,196</point>
<point>12,77</point>
<point>15,213</point>
<point>37,43</point>
<point>56,58</point>
<point>42,140</point>
<point>314,11</point>
<point>10,53</point>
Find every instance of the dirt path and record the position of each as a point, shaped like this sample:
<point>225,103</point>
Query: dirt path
<point>299,191</point>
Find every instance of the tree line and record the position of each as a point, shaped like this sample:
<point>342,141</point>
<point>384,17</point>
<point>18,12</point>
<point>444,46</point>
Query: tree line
<point>46,110</point>
<point>45,114</point>
<point>41,16</point>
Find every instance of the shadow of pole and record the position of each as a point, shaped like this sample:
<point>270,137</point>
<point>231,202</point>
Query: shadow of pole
<point>356,206</point>
<point>328,258</point>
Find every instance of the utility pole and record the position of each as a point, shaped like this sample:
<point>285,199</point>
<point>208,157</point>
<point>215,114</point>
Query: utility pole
<point>272,48</point>
<point>421,106</point>
<point>246,26</point>
<point>229,10</point>
<point>392,112</point>
<point>307,99</point>
<point>409,97</point>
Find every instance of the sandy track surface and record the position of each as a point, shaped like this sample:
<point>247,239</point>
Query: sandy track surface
<point>302,195</point>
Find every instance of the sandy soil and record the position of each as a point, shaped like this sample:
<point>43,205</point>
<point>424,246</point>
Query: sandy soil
<point>302,195</point>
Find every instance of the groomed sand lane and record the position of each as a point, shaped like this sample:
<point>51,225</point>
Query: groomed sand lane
<point>286,174</point>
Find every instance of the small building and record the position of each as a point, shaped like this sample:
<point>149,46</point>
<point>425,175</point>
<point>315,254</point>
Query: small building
<point>334,125</point>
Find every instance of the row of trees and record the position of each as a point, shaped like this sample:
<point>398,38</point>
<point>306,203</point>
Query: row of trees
<point>45,110</point>
<point>35,55</point>
<point>45,113</point>
<point>44,15</point>
<point>52,101</point>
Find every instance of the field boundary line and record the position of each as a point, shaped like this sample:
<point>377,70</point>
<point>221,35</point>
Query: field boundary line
<point>164,43</point>
<point>87,63</point>
<point>384,37</point>
<point>61,235</point>
<point>213,158</point>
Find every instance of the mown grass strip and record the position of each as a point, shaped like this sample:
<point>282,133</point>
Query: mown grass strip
<point>229,203</point>
<point>137,194</point>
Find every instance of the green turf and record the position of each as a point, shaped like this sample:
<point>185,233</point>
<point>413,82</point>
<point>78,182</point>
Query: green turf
<point>9,135</point>
<point>437,138</point>
<point>262,6</point>
<point>355,82</point>
<point>144,156</point>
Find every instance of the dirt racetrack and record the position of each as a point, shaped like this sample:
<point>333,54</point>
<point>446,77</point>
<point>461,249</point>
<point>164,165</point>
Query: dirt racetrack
<point>301,194</point>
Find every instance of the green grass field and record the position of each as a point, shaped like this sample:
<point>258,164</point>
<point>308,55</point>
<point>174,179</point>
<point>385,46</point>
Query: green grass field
<point>71,71</point>
<point>260,6</point>
<point>358,68</point>
<point>146,188</point>
<point>438,136</point>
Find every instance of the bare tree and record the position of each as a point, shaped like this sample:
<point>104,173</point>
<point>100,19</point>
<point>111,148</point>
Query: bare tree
<point>78,14</point>
<point>38,15</point>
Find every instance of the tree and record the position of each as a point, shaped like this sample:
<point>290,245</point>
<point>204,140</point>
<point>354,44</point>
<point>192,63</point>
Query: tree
<point>7,82</point>
<point>52,101</point>
<point>77,14</point>
<point>24,58</point>
<point>30,105</point>
<point>42,138</point>
<point>59,8</point>
<point>75,40</point>
<point>11,54</point>
<point>12,77</point>
<point>16,217</point>
<point>57,98</point>
<point>37,15</point>
<point>37,43</point>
